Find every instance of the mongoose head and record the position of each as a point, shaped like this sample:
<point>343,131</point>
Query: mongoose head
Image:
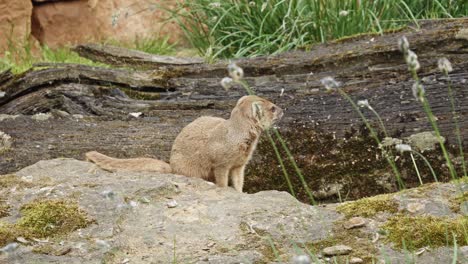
<point>257,110</point>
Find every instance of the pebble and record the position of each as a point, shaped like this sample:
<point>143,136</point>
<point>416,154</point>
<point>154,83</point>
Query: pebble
<point>355,222</point>
<point>172,204</point>
<point>41,116</point>
<point>355,260</point>
<point>337,250</point>
<point>136,115</point>
<point>22,240</point>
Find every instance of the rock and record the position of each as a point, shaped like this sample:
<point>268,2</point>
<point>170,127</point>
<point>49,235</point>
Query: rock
<point>41,116</point>
<point>355,260</point>
<point>209,224</point>
<point>207,216</point>
<point>337,250</point>
<point>5,117</point>
<point>121,20</point>
<point>354,222</point>
<point>15,22</point>
<point>5,142</point>
<point>172,204</point>
<point>424,141</point>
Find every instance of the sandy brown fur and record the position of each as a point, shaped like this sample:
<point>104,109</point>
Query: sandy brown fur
<point>137,164</point>
<point>211,148</point>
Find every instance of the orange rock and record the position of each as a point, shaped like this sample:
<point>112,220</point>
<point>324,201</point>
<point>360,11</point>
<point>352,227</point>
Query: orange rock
<point>71,22</point>
<point>15,22</point>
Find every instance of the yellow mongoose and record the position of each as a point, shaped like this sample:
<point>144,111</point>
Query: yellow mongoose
<point>210,148</point>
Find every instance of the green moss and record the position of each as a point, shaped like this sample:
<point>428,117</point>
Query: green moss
<point>11,180</point>
<point>139,95</point>
<point>51,217</point>
<point>368,207</point>
<point>44,218</point>
<point>8,233</point>
<point>48,249</point>
<point>415,232</point>
<point>456,201</point>
<point>4,208</point>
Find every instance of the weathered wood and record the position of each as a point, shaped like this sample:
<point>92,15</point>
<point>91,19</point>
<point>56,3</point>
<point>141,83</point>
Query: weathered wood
<point>124,57</point>
<point>325,133</point>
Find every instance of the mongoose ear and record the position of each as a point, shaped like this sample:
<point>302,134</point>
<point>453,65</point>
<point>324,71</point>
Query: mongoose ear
<point>257,111</point>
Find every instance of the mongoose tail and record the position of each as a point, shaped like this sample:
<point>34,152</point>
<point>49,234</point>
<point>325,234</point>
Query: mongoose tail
<point>137,164</point>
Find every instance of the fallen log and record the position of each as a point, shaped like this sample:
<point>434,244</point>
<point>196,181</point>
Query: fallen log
<point>90,108</point>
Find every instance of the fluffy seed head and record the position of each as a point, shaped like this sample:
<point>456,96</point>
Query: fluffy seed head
<point>403,44</point>
<point>235,71</point>
<point>412,60</point>
<point>226,83</point>
<point>301,259</point>
<point>330,83</point>
<point>343,13</point>
<point>363,103</point>
<point>418,91</point>
<point>444,65</point>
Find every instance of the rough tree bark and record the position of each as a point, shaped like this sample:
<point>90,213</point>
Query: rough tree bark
<point>90,107</point>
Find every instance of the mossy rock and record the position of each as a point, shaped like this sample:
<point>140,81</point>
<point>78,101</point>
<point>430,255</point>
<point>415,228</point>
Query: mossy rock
<point>50,217</point>
<point>10,180</point>
<point>368,207</point>
<point>46,218</point>
<point>455,202</point>
<point>413,232</point>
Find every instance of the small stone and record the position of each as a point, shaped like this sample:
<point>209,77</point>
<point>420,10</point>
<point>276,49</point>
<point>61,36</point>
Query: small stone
<point>2,94</point>
<point>301,259</point>
<point>415,207</point>
<point>355,222</point>
<point>136,115</point>
<point>144,200</point>
<point>22,240</point>
<point>355,260</point>
<point>125,261</point>
<point>41,116</point>
<point>172,204</point>
<point>337,250</point>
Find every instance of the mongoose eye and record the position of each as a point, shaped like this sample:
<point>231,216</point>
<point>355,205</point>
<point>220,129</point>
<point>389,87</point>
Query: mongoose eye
<point>273,109</point>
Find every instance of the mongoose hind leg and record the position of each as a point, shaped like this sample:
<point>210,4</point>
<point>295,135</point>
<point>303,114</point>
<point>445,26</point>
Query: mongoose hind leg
<point>221,176</point>
<point>237,178</point>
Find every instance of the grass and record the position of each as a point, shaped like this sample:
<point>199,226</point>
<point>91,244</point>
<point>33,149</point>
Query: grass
<point>20,58</point>
<point>227,29</point>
